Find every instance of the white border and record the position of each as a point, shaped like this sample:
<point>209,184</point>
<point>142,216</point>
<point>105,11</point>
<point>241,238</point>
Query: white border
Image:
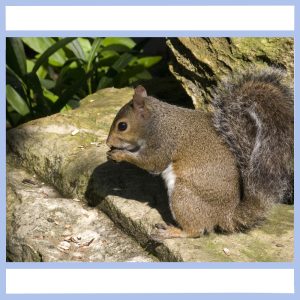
<point>152,18</point>
<point>25,281</point>
<point>209,18</point>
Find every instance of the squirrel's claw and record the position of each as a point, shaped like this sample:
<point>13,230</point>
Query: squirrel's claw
<point>115,155</point>
<point>160,226</point>
<point>158,234</point>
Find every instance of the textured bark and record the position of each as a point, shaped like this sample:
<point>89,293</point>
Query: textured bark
<point>200,63</point>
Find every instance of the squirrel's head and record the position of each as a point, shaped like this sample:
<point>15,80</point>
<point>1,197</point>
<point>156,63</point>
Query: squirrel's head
<point>130,124</point>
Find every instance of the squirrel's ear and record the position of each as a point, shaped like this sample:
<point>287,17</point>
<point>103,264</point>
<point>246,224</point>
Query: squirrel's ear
<point>140,91</point>
<point>138,102</point>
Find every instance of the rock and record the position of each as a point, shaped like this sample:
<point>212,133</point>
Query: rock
<point>37,216</point>
<point>76,165</point>
<point>200,63</point>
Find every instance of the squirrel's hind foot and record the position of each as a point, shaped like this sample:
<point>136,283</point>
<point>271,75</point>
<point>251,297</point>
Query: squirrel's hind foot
<point>162,232</point>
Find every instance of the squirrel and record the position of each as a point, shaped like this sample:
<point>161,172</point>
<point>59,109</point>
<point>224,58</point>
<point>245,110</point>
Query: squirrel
<point>223,169</point>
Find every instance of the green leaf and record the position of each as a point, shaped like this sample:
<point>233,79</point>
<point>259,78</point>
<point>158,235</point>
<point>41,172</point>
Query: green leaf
<point>41,44</point>
<point>75,47</point>
<point>107,61</point>
<point>66,77</point>
<point>38,44</point>
<point>41,72</point>
<point>47,83</point>
<point>49,95</point>
<point>17,83</point>
<point>122,62</point>
<point>54,48</point>
<point>13,117</point>
<point>124,78</point>
<point>93,53</point>
<point>13,74</point>
<point>86,46</point>
<point>127,42</point>
<point>16,101</point>
<point>144,75</point>
<point>148,62</point>
<point>72,104</point>
<point>108,53</point>
<point>33,83</point>
<point>15,56</point>
<point>66,108</point>
<point>69,92</point>
<point>105,82</point>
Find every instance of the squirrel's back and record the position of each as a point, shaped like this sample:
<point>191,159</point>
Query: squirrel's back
<point>254,115</point>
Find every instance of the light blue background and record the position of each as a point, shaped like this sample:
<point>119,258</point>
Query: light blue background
<point>5,265</point>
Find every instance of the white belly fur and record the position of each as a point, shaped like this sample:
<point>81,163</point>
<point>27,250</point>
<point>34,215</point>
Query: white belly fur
<point>169,177</point>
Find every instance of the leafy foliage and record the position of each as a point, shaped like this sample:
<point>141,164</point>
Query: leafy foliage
<point>47,75</point>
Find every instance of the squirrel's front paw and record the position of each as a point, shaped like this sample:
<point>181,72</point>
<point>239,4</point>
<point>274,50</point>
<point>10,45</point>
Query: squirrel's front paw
<point>116,155</point>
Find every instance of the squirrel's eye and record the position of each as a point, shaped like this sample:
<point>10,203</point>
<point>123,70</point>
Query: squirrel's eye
<point>122,126</point>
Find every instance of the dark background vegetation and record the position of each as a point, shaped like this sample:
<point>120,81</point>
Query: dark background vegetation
<point>48,75</point>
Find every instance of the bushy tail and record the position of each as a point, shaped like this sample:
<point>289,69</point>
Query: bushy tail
<point>254,114</point>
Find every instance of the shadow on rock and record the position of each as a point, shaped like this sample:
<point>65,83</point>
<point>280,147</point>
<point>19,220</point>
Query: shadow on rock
<point>129,182</point>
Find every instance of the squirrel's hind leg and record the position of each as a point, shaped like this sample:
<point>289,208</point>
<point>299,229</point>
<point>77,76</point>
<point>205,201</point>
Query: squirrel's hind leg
<point>186,211</point>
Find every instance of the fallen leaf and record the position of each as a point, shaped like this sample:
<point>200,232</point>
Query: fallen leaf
<point>63,246</point>
<point>226,251</point>
<point>75,131</point>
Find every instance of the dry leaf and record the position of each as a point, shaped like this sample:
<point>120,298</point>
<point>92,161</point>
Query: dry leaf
<point>75,131</point>
<point>226,251</point>
<point>63,246</point>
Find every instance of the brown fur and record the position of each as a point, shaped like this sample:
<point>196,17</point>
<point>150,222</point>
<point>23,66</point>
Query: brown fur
<point>225,178</point>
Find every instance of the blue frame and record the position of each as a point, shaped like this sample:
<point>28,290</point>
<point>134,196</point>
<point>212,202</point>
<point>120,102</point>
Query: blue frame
<point>4,264</point>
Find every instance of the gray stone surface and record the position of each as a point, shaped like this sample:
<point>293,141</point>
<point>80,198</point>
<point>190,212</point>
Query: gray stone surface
<point>200,63</point>
<point>44,226</point>
<point>68,151</point>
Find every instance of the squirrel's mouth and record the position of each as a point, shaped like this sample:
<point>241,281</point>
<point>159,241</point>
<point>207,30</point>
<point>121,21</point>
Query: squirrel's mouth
<point>130,148</point>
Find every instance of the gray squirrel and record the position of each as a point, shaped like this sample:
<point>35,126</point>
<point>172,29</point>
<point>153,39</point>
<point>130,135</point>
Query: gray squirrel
<point>223,170</point>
